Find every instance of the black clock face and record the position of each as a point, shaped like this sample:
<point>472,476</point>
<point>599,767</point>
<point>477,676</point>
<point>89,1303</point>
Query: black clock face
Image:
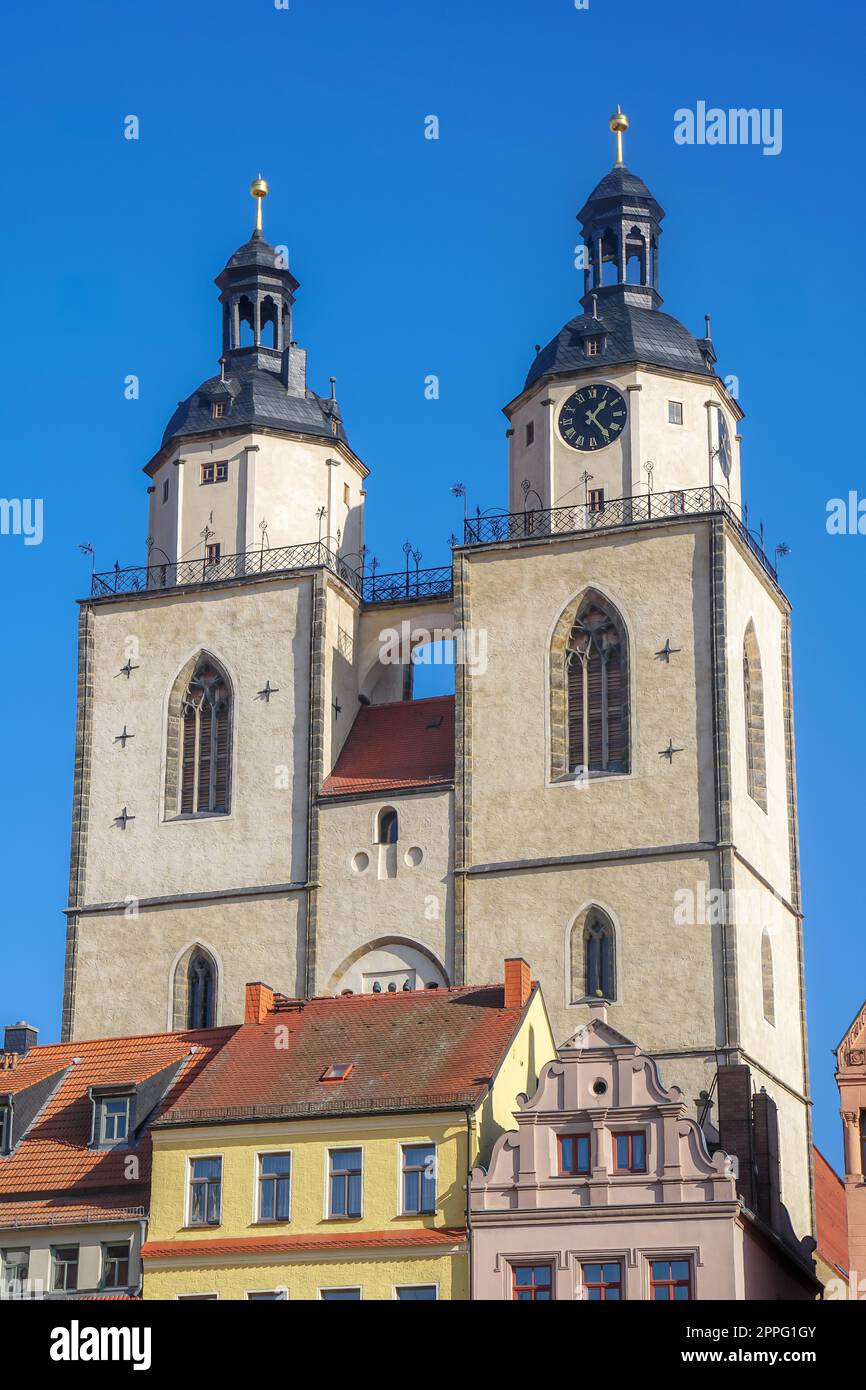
<point>592,417</point>
<point>724,446</point>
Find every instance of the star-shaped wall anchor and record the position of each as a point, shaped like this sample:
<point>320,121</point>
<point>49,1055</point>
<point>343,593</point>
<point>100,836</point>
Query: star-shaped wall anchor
<point>669,751</point>
<point>268,691</point>
<point>128,669</point>
<point>121,738</point>
<point>123,819</point>
<point>337,708</point>
<point>668,651</point>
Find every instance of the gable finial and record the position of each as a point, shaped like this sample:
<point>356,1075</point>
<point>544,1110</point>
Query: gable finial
<point>259,190</point>
<point>618,123</point>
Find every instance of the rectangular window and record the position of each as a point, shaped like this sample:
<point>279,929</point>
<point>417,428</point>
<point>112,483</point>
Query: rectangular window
<point>416,1293</point>
<point>530,432</point>
<point>165,490</point>
<point>268,1296</point>
<point>218,410</point>
<point>602,1281</point>
<point>275,1187</point>
<point>346,494</point>
<point>675,412</point>
<point>596,499</point>
<point>16,1272</point>
<point>593,347</point>
<point>212,553</point>
<point>64,1266</point>
<point>344,1166</point>
<point>573,1154</point>
<point>670,1281</point>
<point>215,472</point>
<point>197,1297</point>
<point>5,1118</point>
<point>112,1122</point>
<point>337,1071</point>
<point>115,1266</point>
<point>205,1191</point>
<point>678,503</point>
<point>532,1283</point>
<point>629,1152</point>
<point>419,1179</point>
<point>339,1295</point>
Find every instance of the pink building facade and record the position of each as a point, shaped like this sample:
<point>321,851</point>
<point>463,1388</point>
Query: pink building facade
<point>851,1080</point>
<point>608,1190</point>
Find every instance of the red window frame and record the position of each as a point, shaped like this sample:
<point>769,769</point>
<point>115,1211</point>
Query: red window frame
<point>533,1289</point>
<point>601,1284</point>
<point>630,1135</point>
<point>670,1283</point>
<point>574,1172</point>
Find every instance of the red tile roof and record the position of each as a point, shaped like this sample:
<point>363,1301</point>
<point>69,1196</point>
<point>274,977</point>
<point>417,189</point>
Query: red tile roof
<point>832,1214</point>
<point>53,1159</point>
<point>434,1049</point>
<point>393,746</point>
<point>204,1250</point>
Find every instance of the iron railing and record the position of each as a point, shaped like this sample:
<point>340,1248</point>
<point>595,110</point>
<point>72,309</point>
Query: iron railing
<point>372,587</point>
<point>618,511</point>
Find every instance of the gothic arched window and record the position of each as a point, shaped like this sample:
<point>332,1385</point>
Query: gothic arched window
<point>768,990</point>
<point>753,695</point>
<point>199,740</point>
<point>593,957</point>
<point>596,671</point>
<point>194,1000</point>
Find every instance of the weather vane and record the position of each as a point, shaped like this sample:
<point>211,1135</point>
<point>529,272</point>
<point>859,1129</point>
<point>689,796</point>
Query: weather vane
<point>618,123</point>
<point>259,190</point>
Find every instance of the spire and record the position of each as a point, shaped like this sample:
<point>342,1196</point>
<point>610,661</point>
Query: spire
<point>259,190</point>
<point>257,294</point>
<point>618,124</point>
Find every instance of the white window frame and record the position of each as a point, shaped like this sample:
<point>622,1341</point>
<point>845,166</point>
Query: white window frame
<point>279,1294</point>
<point>339,1288</point>
<point>416,1284</point>
<point>258,1219</point>
<point>409,1144</point>
<point>671,411</point>
<point>336,1149</point>
<point>104,1259</point>
<point>5,1127</point>
<point>197,1297</point>
<point>198,1158</point>
<point>102,1116</point>
<point>4,1267</point>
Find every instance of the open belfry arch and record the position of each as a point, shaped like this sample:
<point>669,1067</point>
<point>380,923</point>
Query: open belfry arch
<point>256,788</point>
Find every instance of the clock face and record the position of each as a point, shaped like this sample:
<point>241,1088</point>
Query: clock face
<point>724,446</point>
<point>592,417</point>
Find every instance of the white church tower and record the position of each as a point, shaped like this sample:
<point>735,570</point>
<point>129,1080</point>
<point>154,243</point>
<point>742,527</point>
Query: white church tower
<point>610,793</point>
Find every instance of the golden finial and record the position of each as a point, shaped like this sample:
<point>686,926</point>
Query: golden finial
<point>258,190</point>
<point>618,123</point>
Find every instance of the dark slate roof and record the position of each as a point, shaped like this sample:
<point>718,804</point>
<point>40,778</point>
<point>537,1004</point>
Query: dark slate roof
<point>618,184</point>
<point>258,397</point>
<point>631,333</point>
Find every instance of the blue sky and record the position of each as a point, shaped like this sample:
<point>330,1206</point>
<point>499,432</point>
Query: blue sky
<point>451,257</point>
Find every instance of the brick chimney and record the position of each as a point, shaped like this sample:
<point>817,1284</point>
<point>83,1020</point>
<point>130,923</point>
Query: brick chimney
<point>735,1126</point>
<point>19,1037</point>
<point>767,1165</point>
<point>258,1003</point>
<point>518,982</point>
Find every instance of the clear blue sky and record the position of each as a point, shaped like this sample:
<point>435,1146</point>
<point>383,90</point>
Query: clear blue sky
<point>415,257</point>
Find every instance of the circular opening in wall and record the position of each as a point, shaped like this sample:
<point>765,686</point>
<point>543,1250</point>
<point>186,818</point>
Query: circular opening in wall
<point>360,862</point>
<point>413,856</point>
<point>599,1088</point>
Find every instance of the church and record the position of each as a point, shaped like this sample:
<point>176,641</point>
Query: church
<point>258,796</point>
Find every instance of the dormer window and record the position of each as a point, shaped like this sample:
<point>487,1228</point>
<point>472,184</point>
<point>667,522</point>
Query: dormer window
<point>111,1121</point>
<point>218,409</point>
<point>593,346</point>
<point>337,1071</point>
<point>5,1126</point>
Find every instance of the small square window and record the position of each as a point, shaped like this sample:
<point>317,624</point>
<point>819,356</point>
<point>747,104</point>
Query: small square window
<point>596,499</point>
<point>602,1282</point>
<point>212,553</point>
<point>215,472</point>
<point>337,1071</point>
<point>530,432</point>
<point>675,412</point>
<point>629,1152</point>
<point>218,410</point>
<point>592,347</point>
<point>165,490</point>
<point>573,1155</point>
<point>532,1283</point>
<point>670,1281</point>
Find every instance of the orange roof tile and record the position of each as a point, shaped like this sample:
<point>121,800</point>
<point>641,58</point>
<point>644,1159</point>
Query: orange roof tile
<point>407,744</point>
<point>54,1156</point>
<point>202,1250</point>
<point>434,1049</point>
<point>832,1214</point>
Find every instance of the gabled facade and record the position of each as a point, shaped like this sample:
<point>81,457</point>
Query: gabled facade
<point>851,1080</point>
<point>327,1153</point>
<point>607,1190</point>
<point>75,1163</point>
